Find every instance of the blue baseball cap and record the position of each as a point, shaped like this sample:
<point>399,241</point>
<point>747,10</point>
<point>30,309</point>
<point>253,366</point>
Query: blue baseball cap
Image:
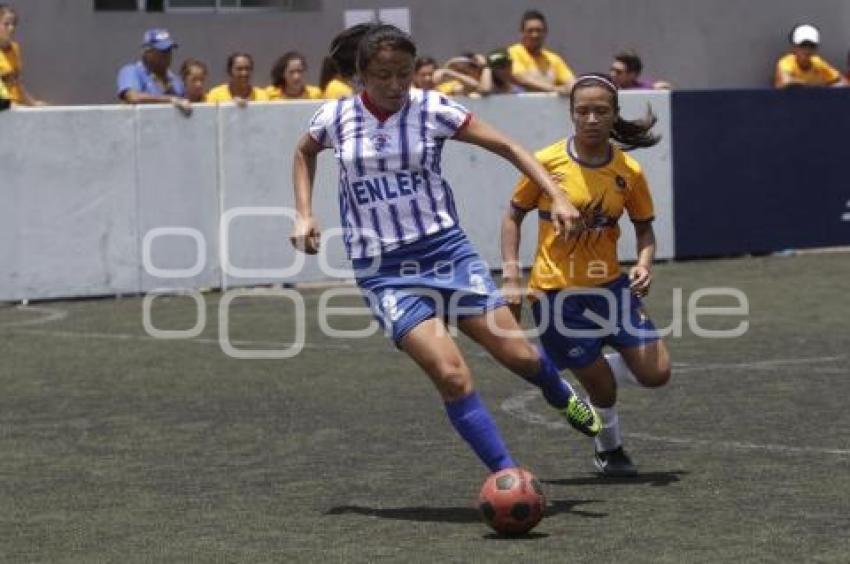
<point>159,39</point>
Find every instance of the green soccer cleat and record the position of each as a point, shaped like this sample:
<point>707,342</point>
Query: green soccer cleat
<point>582,416</point>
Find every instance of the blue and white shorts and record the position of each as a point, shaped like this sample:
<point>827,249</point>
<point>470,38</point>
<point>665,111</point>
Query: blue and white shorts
<point>438,276</point>
<point>574,324</point>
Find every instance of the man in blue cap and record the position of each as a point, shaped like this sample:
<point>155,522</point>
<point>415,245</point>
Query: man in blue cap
<point>150,81</point>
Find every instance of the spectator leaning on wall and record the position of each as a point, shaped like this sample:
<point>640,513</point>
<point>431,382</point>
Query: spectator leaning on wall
<point>150,80</point>
<point>194,75</point>
<point>535,68</point>
<point>625,73</point>
<point>10,60</point>
<point>239,88</point>
<point>803,66</point>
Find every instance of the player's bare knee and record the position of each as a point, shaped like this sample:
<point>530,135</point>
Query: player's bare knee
<point>655,378</point>
<point>453,379</point>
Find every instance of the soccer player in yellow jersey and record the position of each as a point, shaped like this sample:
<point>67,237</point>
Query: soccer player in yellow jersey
<point>536,68</point>
<point>581,272</point>
<point>289,79</point>
<point>802,66</point>
<point>240,67</point>
<point>10,60</point>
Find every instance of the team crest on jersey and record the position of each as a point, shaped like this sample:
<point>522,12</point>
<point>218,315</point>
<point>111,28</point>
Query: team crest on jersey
<point>621,182</point>
<point>380,141</point>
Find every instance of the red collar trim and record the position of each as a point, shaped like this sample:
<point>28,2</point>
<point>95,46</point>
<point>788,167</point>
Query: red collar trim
<point>380,114</point>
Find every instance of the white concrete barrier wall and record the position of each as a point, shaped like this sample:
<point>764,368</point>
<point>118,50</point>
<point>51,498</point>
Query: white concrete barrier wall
<point>107,200</point>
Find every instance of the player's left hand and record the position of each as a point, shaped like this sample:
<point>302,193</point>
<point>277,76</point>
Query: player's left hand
<point>640,278</point>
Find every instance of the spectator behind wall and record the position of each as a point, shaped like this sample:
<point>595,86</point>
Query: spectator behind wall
<point>803,66</point>
<point>466,75</point>
<point>11,66</point>
<point>194,74</point>
<point>150,80</point>
<point>423,73</point>
<point>332,83</point>
<point>289,79</point>
<point>499,62</point>
<point>535,68</point>
<point>239,89</point>
<point>625,72</point>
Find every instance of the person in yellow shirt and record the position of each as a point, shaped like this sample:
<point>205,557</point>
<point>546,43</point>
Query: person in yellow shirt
<point>289,79</point>
<point>466,75</point>
<point>5,97</point>
<point>803,66</point>
<point>194,74</point>
<point>240,68</point>
<point>579,271</point>
<point>536,68</point>
<point>335,83</point>
<point>11,66</point>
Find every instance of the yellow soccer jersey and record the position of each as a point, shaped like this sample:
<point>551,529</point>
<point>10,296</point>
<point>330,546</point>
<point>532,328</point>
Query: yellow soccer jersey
<point>221,93</point>
<point>547,65</point>
<point>310,93</point>
<point>337,89</point>
<point>588,258</point>
<point>10,70</point>
<point>820,73</point>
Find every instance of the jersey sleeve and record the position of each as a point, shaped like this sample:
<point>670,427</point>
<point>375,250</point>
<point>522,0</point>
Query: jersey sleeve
<point>128,79</point>
<point>526,195</point>
<point>321,124</point>
<point>829,73</point>
<point>448,116</point>
<point>639,200</point>
<point>563,72</point>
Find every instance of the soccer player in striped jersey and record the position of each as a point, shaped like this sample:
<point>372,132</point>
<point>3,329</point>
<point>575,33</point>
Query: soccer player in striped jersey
<point>580,275</point>
<point>412,261</point>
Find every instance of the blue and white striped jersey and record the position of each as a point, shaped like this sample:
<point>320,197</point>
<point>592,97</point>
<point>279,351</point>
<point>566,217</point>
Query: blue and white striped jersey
<point>391,188</point>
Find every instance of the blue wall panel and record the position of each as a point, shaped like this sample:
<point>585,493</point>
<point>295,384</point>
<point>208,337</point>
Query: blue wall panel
<point>761,170</point>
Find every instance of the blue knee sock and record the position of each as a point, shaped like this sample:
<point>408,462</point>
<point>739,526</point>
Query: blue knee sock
<point>555,389</point>
<point>473,422</point>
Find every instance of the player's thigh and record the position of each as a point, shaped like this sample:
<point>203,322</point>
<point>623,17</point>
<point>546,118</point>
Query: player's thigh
<point>650,363</point>
<point>433,349</point>
<point>499,333</point>
<point>598,381</point>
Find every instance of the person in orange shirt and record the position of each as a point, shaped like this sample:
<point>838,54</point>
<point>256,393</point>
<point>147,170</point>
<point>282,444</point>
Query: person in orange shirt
<point>803,66</point>
<point>289,79</point>
<point>194,74</point>
<point>576,280</point>
<point>10,59</point>
<point>535,68</point>
<point>240,68</point>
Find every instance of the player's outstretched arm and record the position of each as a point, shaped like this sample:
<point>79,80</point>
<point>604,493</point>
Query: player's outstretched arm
<point>511,273</point>
<point>478,132</point>
<point>306,235</point>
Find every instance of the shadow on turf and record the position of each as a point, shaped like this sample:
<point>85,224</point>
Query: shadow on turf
<point>655,479</point>
<point>461,514</point>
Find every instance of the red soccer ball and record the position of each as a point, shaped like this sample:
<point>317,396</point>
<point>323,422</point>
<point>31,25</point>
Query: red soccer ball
<point>512,501</point>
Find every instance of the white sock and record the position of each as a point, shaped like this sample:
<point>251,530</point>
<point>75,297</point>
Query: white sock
<point>622,375</point>
<point>609,435</point>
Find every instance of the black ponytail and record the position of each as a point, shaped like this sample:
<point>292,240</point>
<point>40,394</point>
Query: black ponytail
<point>626,134</point>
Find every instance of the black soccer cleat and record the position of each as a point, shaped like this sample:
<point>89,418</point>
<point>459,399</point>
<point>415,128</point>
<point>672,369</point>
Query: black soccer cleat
<point>615,464</point>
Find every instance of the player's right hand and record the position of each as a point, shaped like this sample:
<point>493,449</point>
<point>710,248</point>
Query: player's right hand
<point>512,292</point>
<point>306,235</point>
<point>565,217</point>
